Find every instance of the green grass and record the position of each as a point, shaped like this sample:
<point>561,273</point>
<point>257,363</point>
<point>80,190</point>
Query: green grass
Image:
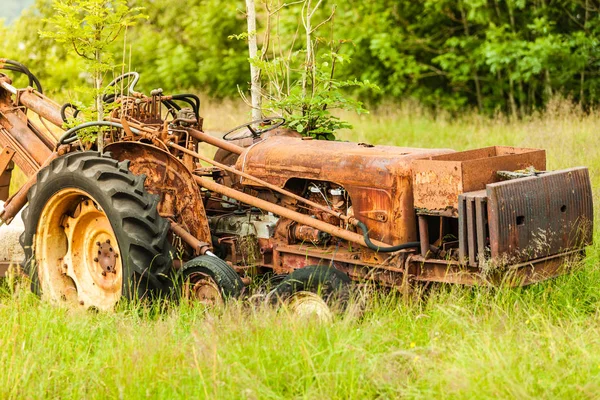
<point>541,341</point>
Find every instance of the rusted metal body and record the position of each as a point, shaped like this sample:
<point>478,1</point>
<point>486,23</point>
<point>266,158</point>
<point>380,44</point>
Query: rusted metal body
<point>6,165</point>
<point>378,179</point>
<point>558,217</point>
<point>282,202</point>
<point>439,180</point>
<point>31,150</point>
<point>168,178</point>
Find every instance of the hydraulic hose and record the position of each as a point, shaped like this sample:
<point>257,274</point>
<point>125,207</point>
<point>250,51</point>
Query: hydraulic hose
<point>63,110</point>
<point>391,249</point>
<point>70,135</point>
<point>16,66</point>
<point>135,78</point>
<point>191,99</point>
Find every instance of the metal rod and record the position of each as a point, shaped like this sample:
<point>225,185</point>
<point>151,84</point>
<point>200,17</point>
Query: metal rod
<point>259,181</point>
<point>285,212</point>
<point>223,144</point>
<point>424,235</point>
<point>8,87</point>
<point>198,246</point>
<point>38,104</point>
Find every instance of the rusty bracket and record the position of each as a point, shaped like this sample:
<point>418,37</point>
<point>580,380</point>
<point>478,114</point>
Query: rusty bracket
<point>18,200</point>
<point>126,127</point>
<point>5,158</point>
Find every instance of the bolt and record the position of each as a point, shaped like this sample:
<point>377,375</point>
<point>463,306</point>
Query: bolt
<point>103,273</point>
<point>108,241</point>
<point>99,252</point>
<point>116,255</point>
<point>81,302</point>
<point>95,259</point>
<point>97,243</point>
<point>110,249</point>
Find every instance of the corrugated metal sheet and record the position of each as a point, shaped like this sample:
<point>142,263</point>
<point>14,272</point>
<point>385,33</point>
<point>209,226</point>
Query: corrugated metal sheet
<point>541,215</point>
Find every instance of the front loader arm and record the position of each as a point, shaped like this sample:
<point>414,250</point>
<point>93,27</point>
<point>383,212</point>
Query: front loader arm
<point>22,141</point>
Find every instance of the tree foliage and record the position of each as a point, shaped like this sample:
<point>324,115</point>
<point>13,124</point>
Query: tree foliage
<point>495,55</point>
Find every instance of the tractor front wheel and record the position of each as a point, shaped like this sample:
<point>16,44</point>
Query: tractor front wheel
<point>93,234</point>
<point>314,290</point>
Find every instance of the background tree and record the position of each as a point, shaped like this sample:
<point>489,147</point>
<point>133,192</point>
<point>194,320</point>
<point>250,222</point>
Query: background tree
<point>507,56</point>
<point>89,27</point>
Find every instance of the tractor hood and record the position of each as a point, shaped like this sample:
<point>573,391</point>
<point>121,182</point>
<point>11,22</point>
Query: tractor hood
<point>277,159</point>
<point>378,179</point>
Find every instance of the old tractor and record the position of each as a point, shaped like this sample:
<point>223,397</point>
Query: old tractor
<point>152,210</point>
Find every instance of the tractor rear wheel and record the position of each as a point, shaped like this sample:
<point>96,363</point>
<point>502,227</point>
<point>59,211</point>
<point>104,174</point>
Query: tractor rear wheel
<point>93,234</point>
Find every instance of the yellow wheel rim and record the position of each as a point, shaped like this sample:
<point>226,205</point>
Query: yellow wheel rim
<point>309,305</point>
<point>76,252</point>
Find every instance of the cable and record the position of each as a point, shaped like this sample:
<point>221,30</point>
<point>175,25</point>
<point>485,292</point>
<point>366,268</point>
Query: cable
<point>391,249</point>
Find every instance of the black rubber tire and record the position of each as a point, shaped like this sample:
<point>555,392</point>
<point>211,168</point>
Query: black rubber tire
<point>141,233</point>
<point>222,274</point>
<point>331,284</point>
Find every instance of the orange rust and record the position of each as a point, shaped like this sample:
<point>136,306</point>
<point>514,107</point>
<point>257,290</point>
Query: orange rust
<point>438,180</point>
<point>284,212</point>
<point>378,178</point>
<point>256,180</point>
<point>223,144</point>
<point>166,176</point>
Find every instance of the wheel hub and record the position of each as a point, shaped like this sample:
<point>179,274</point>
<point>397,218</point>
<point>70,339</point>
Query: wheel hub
<point>107,257</point>
<point>202,289</point>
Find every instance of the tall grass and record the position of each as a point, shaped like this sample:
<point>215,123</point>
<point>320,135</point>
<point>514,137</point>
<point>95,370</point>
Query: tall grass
<point>537,342</point>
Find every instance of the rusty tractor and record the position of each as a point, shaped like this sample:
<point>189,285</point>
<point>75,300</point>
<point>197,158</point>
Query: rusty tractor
<point>151,210</point>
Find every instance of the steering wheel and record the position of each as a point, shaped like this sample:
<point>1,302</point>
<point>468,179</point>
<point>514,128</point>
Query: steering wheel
<point>267,124</point>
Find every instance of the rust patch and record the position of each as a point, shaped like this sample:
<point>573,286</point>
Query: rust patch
<point>440,179</point>
<point>180,197</point>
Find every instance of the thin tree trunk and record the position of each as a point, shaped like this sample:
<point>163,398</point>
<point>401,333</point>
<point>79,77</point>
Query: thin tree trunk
<point>254,70</point>
<point>547,85</point>
<point>511,98</point>
<point>308,60</point>
<point>475,77</point>
<point>582,80</point>
<point>99,103</point>
<point>520,94</point>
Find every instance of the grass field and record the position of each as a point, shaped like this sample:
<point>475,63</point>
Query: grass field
<point>539,342</point>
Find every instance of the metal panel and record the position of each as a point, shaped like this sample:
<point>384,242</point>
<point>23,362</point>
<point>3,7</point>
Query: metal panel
<point>482,227</point>
<point>462,229</point>
<point>438,181</point>
<point>541,215</point>
<point>472,231</point>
